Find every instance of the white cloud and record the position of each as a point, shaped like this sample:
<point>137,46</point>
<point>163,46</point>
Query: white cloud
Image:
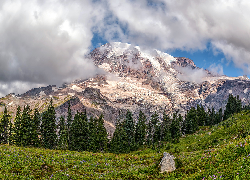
<point>191,75</point>
<point>189,25</point>
<point>216,69</point>
<point>45,41</point>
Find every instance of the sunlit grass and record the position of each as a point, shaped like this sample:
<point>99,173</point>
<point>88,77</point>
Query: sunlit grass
<point>217,152</point>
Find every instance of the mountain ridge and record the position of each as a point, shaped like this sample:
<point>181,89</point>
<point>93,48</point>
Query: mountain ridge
<point>136,79</point>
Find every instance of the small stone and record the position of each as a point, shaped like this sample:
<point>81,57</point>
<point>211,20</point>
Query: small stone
<point>167,163</point>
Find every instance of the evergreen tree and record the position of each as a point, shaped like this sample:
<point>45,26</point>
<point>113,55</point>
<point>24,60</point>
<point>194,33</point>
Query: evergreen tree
<point>4,127</point>
<point>151,136</point>
<point>119,142</point>
<point>231,107</point>
<point>92,144</point>
<point>208,119</point>
<point>175,127</point>
<point>36,128</point>
<point>102,136</point>
<point>63,135</point>
<point>212,117</point>
<point>140,129</point>
<point>11,134</point>
<point>69,123</point>
<point>130,130</point>
<point>238,105</point>
<point>26,127</point>
<point>190,123</point>
<point>79,133</point>
<point>165,132</point>
<point>18,132</point>
<point>48,127</point>
<point>219,116</point>
<point>201,115</point>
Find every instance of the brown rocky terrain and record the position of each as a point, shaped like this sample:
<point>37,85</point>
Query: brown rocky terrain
<point>135,79</point>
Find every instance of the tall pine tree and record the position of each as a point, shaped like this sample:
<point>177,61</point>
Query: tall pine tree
<point>17,130</point>
<point>4,127</point>
<point>129,128</point>
<point>48,127</point>
<point>79,132</point>
<point>63,135</point>
<point>140,129</point>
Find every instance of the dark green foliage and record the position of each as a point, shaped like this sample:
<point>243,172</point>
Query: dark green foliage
<point>11,134</point>
<point>27,127</point>
<point>212,117</point>
<point>79,133</point>
<point>119,142</point>
<point>190,123</point>
<point>4,127</point>
<point>101,135</point>
<point>175,127</point>
<point>165,131</point>
<point>219,116</point>
<point>233,106</point>
<point>92,144</point>
<point>36,129</point>
<point>201,115</point>
<point>140,129</point>
<point>152,127</point>
<point>18,134</point>
<point>63,135</point>
<point>48,128</point>
<point>69,123</point>
<point>130,130</point>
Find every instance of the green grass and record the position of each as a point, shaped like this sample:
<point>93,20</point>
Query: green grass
<point>222,154</point>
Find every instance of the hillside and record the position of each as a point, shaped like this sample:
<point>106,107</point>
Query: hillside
<point>217,152</point>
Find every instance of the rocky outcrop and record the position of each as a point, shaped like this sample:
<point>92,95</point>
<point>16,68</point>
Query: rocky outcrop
<point>167,163</point>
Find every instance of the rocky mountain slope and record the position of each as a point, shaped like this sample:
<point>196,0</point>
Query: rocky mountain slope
<point>135,79</point>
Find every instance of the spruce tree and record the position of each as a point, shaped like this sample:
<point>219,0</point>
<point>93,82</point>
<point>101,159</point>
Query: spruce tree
<point>79,132</point>
<point>219,116</point>
<point>69,123</point>
<point>175,127</point>
<point>165,132</point>
<point>26,127</point>
<point>152,136</point>
<point>17,130</point>
<point>140,129</point>
<point>238,105</point>
<point>48,127</point>
<point>190,122</point>
<point>119,142</point>
<point>4,127</point>
<point>130,130</point>
<point>36,128</point>
<point>63,135</point>
<point>102,136</point>
<point>230,107</point>
<point>212,117</point>
<point>92,143</point>
<point>201,115</point>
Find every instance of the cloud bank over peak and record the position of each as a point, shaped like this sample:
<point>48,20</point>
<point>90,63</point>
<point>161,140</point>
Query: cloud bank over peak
<point>189,25</point>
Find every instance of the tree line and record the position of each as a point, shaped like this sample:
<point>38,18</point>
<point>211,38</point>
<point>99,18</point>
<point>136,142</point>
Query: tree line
<point>89,134</point>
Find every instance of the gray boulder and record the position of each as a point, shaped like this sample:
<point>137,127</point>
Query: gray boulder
<point>167,163</point>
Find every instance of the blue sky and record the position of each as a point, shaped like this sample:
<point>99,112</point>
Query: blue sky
<point>45,42</point>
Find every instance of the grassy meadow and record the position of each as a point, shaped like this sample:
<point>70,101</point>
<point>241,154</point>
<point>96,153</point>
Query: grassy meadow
<point>217,152</point>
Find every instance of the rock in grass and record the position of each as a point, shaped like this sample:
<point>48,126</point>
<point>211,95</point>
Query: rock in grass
<point>167,163</point>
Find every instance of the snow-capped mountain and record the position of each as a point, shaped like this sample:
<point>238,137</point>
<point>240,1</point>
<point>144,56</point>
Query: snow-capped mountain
<point>136,79</point>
